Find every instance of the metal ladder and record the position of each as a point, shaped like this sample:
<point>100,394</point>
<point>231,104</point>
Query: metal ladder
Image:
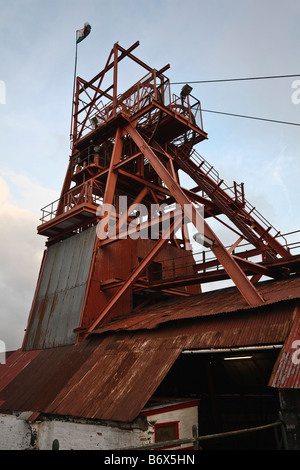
<point>254,228</point>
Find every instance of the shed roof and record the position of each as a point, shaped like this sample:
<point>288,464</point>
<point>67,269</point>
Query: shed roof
<point>111,376</point>
<point>102,378</point>
<point>216,302</point>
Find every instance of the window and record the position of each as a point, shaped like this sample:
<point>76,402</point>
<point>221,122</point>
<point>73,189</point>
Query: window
<point>166,431</point>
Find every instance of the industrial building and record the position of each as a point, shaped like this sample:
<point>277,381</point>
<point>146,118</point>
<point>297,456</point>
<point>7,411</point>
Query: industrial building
<point>124,347</point>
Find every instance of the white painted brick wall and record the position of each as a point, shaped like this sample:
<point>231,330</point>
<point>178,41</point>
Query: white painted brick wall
<point>78,436</point>
<point>15,434</point>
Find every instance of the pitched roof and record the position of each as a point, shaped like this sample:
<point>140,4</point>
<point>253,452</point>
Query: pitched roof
<point>216,302</point>
<point>112,374</point>
<point>99,378</point>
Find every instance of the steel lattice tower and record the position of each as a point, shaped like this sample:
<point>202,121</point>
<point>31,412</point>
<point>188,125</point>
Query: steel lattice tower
<point>135,145</point>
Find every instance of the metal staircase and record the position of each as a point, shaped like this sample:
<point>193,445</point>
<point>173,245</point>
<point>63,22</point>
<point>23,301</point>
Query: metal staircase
<point>253,227</point>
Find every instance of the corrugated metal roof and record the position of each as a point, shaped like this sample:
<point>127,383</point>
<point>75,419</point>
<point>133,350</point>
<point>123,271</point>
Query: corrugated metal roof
<point>264,327</point>
<point>286,373</point>
<point>129,377</point>
<point>206,304</point>
<point>112,376</point>
<point>57,306</point>
<point>15,363</point>
<point>108,379</point>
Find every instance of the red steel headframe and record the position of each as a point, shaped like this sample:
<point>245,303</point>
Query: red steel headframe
<point>147,137</point>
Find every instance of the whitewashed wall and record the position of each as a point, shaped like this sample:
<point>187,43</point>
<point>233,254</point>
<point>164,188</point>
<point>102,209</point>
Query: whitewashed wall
<point>15,434</point>
<point>79,436</point>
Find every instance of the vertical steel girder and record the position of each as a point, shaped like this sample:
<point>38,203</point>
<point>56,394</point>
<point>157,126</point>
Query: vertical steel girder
<point>112,175</point>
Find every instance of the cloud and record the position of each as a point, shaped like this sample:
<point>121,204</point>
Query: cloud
<point>21,252</point>
<point>26,193</point>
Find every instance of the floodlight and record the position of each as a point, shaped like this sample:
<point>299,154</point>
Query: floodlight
<point>203,240</point>
<point>185,91</point>
<point>95,121</point>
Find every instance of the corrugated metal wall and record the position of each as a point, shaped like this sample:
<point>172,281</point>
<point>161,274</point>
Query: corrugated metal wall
<point>57,306</point>
<point>286,373</point>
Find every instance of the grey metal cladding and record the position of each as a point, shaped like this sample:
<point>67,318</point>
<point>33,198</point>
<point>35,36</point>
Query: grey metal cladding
<point>58,303</point>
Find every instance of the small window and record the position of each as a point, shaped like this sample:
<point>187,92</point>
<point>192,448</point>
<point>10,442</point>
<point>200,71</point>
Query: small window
<point>166,432</point>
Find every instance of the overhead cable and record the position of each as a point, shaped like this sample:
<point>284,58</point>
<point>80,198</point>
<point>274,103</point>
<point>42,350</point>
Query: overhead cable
<point>251,117</point>
<point>237,79</point>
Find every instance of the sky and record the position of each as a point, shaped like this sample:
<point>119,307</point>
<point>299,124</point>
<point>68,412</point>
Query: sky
<point>201,40</point>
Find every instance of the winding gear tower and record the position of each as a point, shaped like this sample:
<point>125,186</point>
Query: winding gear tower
<point>100,261</point>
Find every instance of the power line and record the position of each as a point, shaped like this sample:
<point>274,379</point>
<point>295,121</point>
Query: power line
<point>237,79</point>
<point>251,117</point>
<point>243,79</point>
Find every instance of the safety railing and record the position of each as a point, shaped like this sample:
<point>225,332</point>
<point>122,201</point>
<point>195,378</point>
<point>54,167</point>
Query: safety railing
<point>133,101</point>
<point>190,107</point>
<point>235,194</point>
<point>280,438</point>
<point>85,193</point>
<point>204,262</point>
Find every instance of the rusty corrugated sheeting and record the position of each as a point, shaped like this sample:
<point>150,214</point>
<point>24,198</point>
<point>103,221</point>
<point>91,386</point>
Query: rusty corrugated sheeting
<point>57,306</point>
<point>15,363</point>
<point>257,327</point>
<point>207,304</point>
<point>112,376</point>
<point>128,378</point>
<point>108,379</point>
<point>286,372</point>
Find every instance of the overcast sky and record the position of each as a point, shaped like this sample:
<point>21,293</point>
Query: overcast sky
<point>201,40</point>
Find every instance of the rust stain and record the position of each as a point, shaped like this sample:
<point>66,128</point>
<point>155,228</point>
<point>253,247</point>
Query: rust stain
<point>286,372</point>
<point>212,303</point>
<point>112,375</point>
